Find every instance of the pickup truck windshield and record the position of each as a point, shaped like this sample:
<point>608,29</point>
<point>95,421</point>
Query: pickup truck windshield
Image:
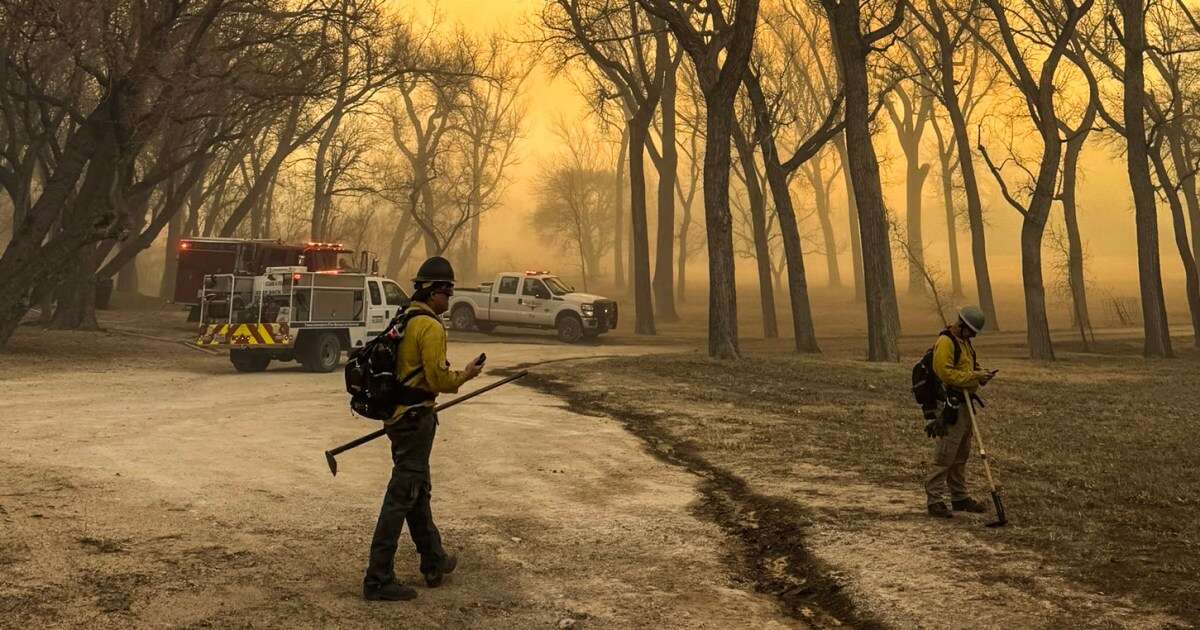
<point>557,287</point>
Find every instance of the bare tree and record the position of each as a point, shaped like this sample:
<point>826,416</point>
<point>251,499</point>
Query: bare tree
<point>910,118</point>
<point>813,120</point>
<point>805,16</point>
<point>619,41</point>
<point>491,126</point>
<point>575,199</point>
<point>855,41</point>
<point>948,165</point>
<point>423,118</point>
<point>814,171</point>
<point>960,96</point>
<point>1132,37</point>
<point>129,75</point>
<point>719,46</point>
<point>691,120</point>
<point>752,180</point>
<point>1024,33</point>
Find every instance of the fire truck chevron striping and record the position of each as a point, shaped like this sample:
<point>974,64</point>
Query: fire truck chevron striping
<point>244,335</point>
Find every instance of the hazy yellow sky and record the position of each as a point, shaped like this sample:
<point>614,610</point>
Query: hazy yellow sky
<point>1105,205</point>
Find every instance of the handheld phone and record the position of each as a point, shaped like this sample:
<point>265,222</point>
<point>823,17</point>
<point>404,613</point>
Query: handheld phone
<point>482,358</point>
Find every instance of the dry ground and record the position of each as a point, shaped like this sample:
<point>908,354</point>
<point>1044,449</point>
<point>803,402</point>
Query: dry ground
<point>145,484</point>
<point>1096,454</point>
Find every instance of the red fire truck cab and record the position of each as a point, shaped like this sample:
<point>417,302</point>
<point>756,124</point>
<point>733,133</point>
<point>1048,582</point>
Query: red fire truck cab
<point>201,256</point>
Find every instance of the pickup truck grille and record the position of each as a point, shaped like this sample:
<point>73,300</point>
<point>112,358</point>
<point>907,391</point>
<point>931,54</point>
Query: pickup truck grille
<point>606,314</point>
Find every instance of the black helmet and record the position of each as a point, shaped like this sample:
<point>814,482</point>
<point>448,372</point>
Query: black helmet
<point>435,269</point>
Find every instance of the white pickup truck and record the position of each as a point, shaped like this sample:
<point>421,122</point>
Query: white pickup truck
<point>533,299</point>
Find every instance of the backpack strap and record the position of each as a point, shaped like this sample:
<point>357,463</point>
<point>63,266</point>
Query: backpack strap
<point>974,356</point>
<point>957,348</point>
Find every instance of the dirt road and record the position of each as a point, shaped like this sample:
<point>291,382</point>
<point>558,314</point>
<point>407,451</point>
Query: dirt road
<point>148,485</point>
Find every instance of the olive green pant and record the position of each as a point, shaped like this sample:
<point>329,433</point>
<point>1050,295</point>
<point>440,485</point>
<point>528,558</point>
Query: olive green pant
<point>950,454</point>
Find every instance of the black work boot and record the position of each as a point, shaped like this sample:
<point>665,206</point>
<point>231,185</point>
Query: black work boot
<point>389,593</point>
<point>434,579</point>
<point>968,505</point>
<point>940,510</point>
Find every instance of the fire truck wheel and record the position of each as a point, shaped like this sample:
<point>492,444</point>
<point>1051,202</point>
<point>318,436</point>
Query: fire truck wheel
<point>249,360</point>
<point>321,353</point>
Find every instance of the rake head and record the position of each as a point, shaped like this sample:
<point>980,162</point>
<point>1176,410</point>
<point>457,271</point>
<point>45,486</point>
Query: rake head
<point>1001,518</point>
<point>329,459</point>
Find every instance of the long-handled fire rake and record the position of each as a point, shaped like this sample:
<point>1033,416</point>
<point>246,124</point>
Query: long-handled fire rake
<point>331,454</point>
<point>1001,519</point>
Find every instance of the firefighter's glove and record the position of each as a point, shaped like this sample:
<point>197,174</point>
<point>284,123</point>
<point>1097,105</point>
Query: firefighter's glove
<point>936,428</point>
<point>984,376</point>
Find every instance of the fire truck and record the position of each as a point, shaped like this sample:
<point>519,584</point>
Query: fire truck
<point>290,313</point>
<point>202,256</point>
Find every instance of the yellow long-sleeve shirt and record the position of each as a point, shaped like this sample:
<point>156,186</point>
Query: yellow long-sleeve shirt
<point>424,346</point>
<point>960,375</point>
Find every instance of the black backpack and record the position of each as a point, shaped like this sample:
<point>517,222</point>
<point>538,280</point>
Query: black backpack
<point>927,388</point>
<point>375,391</point>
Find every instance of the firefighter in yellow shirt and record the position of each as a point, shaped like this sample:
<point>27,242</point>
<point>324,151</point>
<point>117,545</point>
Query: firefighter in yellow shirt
<point>955,364</point>
<point>412,431</point>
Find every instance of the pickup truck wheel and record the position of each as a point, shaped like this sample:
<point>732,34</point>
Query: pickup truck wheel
<point>463,318</point>
<point>322,353</point>
<point>570,328</point>
<point>249,360</point>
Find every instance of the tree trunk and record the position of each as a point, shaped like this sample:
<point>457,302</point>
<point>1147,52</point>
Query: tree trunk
<point>322,200</point>
<point>76,296</point>
<point>1179,222</point>
<point>821,197</point>
<point>803,331</point>
<point>619,214</point>
<point>668,165</point>
<point>883,315</point>
<point>914,186</point>
<point>472,257</point>
<point>684,224</point>
<point>642,300</point>
<point>856,254</point>
<point>1181,157</point>
<point>166,285</point>
<point>956,289</point>
<point>25,264</point>
<point>1076,280</point>
<point>1154,312</point>
<point>910,126</point>
<point>1033,228</point>
<point>758,220</point>
<point>966,170</point>
<point>286,144</point>
<point>722,293</point>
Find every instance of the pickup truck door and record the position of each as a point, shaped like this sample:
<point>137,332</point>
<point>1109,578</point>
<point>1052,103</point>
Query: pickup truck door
<point>504,307</point>
<point>378,312</point>
<point>535,299</point>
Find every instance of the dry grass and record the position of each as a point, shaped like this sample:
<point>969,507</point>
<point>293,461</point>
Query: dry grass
<point>1096,452</point>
